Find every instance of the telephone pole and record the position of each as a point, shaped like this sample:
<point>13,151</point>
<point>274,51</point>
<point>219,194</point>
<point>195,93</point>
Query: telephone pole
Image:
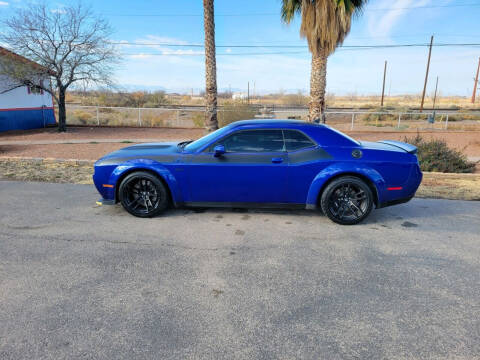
<point>435,96</point>
<point>384,76</point>
<point>426,75</point>
<point>476,83</point>
<point>248,93</point>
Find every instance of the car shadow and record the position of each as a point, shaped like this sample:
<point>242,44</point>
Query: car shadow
<point>174,212</point>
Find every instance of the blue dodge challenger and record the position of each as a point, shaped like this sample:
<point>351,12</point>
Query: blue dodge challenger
<point>262,163</point>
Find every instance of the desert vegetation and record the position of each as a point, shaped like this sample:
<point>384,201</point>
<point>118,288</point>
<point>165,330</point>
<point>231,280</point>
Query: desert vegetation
<point>161,98</point>
<point>436,156</point>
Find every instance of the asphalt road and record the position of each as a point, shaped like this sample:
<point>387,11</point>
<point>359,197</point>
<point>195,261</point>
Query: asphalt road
<point>79,281</point>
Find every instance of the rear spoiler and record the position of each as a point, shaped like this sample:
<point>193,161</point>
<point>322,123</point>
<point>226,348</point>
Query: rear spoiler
<point>401,145</point>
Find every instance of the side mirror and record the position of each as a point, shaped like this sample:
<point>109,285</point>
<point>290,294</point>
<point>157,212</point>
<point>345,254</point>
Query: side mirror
<point>219,150</point>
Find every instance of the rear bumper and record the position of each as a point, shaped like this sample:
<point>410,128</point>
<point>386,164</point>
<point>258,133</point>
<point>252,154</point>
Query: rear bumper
<point>394,202</point>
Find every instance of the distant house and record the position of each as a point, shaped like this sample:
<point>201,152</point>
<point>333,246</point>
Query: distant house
<point>240,96</point>
<point>25,107</point>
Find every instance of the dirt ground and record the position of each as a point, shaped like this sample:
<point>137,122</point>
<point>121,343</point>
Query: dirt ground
<point>95,133</point>
<point>62,151</point>
<point>102,140</point>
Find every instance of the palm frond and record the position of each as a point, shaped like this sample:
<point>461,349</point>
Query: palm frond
<point>325,23</point>
<point>289,9</point>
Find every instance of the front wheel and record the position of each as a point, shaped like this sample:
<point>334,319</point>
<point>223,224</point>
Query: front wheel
<point>143,194</point>
<point>347,200</point>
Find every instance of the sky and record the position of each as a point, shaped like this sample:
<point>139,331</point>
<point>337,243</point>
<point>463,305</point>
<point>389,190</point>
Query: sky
<point>286,67</point>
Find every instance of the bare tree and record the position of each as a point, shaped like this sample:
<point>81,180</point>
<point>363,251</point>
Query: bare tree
<point>71,45</point>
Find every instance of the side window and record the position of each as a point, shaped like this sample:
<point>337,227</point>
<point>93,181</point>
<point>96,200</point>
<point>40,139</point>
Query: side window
<point>254,141</point>
<point>295,140</point>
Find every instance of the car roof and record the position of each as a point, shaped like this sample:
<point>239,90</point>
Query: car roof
<point>270,122</point>
<point>311,129</point>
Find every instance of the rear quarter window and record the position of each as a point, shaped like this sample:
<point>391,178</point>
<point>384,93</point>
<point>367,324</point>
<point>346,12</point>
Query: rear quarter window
<point>296,140</point>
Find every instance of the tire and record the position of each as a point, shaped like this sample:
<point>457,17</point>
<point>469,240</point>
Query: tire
<point>143,194</point>
<point>347,200</point>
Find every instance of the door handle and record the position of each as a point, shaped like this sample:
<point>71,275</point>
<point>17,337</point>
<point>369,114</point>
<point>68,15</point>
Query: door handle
<point>277,160</point>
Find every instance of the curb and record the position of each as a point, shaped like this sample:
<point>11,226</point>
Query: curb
<point>48,160</point>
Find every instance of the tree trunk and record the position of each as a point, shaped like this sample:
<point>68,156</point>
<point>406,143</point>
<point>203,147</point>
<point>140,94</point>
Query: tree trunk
<point>211,121</point>
<point>62,113</point>
<point>318,84</point>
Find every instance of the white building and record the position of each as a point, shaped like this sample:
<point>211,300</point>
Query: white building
<point>24,107</point>
<point>240,96</point>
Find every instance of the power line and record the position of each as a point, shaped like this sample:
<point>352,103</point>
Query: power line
<point>341,48</point>
<point>379,46</point>
<point>423,7</point>
<point>277,14</point>
<point>218,54</point>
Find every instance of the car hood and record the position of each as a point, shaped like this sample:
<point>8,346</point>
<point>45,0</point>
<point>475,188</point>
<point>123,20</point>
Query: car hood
<point>154,151</point>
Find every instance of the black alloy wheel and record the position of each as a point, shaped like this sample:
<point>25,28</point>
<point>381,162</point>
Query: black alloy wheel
<point>143,194</point>
<point>347,200</point>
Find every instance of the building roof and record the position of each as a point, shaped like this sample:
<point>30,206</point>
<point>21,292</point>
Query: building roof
<point>22,59</point>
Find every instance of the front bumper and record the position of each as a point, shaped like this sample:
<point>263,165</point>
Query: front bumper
<point>105,202</point>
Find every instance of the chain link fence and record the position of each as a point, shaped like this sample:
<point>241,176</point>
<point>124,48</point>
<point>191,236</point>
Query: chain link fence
<point>193,117</point>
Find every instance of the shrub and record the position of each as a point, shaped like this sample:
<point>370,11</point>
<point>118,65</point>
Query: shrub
<point>235,112</point>
<point>81,117</point>
<point>198,120</point>
<point>380,120</point>
<point>463,115</point>
<point>435,155</point>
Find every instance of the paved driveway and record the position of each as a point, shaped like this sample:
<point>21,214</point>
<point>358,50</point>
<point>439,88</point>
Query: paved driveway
<point>79,281</point>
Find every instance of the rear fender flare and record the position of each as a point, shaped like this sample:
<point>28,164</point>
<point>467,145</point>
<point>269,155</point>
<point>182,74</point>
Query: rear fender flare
<point>152,166</point>
<point>338,169</point>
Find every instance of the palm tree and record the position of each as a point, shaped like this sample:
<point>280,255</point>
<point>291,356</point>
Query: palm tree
<point>211,121</point>
<point>325,24</point>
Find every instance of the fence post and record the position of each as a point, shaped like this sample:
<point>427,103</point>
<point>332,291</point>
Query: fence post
<point>353,120</point>
<point>98,118</point>
<point>399,119</point>
<point>446,123</point>
<point>140,117</point>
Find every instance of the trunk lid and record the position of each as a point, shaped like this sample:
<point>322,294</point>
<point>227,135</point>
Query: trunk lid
<point>401,145</point>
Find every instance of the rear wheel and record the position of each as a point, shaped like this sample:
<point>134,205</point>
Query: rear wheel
<point>347,200</point>
<point>143,194</point>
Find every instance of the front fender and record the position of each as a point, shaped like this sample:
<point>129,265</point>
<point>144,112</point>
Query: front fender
<point>338,169</point>
<point>149,165</point>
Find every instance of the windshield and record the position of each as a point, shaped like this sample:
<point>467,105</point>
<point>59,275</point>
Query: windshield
<point>196,145</point>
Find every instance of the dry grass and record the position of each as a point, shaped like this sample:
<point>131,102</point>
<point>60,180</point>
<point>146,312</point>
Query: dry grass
<point>435,185</point>
<point>372,102</point>
<point>353,100</point>
<point>46,171</point>
<point>450,186</point>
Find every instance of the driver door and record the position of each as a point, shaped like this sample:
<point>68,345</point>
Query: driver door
<point>254,169</point>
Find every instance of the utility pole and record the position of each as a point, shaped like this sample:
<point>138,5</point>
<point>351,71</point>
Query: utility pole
<point>383,88</point>
<point>434,101</point>
<point>476,83</point>
<point>435,96</point>
<point>426,75</point>
<point>248,93</point>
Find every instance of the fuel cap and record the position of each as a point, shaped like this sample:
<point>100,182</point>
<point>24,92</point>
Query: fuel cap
<point>357,154</point>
